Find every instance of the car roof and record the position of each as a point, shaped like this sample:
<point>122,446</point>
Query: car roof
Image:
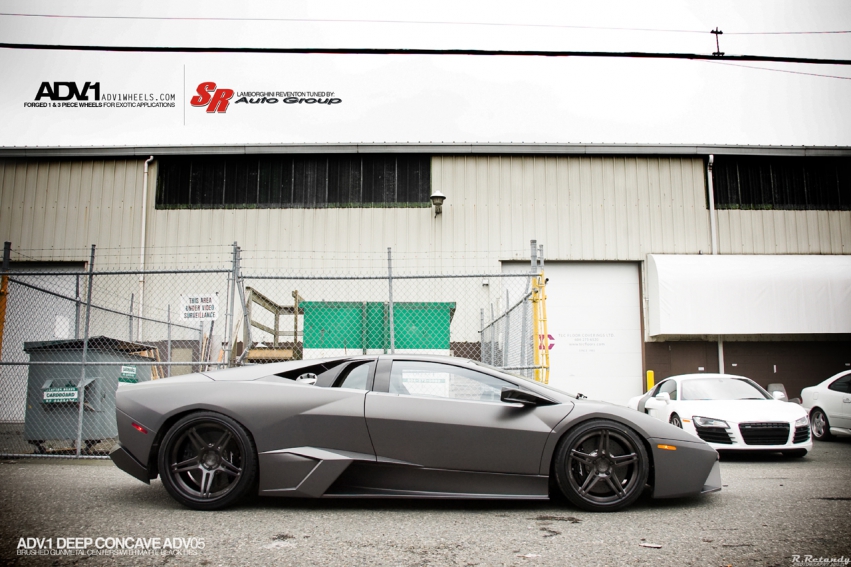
<point>704,375</point>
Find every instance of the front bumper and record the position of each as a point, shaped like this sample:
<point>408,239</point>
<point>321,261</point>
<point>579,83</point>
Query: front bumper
<point>690,468</point>
<point>733,438</point>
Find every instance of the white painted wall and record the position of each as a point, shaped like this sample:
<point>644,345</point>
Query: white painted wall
<point>594,317</point>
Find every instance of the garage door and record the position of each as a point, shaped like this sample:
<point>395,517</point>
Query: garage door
<point>594,319</point>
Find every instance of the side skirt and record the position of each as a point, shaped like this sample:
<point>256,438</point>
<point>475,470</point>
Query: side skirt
<point>386,480</point>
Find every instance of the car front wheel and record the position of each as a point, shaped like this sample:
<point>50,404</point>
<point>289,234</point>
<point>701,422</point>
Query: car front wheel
<point>676,421</point>
<point>207,461</point>
<point>601,466</point>
<point>819,425</point>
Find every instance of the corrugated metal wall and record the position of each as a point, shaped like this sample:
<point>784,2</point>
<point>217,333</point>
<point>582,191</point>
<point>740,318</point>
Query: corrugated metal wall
<point>48,207</point>
<point>580,208</point>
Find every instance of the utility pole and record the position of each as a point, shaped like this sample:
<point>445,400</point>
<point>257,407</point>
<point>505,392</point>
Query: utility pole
<point>717,32</point>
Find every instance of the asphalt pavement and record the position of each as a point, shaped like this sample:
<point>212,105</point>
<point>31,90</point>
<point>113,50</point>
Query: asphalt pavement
<point>770,510</point>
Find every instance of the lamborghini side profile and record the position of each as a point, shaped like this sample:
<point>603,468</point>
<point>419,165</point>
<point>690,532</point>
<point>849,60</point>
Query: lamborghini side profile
<point>409,426</point>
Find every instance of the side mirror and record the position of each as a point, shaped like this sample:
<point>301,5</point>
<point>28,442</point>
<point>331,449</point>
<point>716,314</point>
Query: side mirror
<point>778,395</point>
<point>664,397</point>
<point>517,396</point>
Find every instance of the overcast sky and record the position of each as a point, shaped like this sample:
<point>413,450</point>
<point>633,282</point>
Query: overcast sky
<point>436,98</point>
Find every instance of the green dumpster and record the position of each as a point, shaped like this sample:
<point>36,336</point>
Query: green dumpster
<point>352,327</point>
<point>53,391</point>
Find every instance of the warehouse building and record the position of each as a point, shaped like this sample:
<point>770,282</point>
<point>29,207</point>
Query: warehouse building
<point>673,259</point>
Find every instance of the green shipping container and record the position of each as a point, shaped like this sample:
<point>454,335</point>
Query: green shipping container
<point>365,325</point>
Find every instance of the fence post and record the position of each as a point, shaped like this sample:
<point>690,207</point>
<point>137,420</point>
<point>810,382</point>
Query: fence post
<point>231,310</point>
<point>505,335</point>
<point>493,336</point>
<point>390,284</point>
<point>77,309</point>
<point>4,290</point>
<point>482,334</point>
<point>81,389</point>
<point>168,344</point>
<point>200,344</point>
<point>246,316</point>
<point>130,321</point>
<point>524,336</point>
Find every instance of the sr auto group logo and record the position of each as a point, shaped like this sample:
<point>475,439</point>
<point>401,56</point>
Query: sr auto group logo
<point>217,99</point>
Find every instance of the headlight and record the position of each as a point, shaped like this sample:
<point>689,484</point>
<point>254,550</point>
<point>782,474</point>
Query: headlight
<point>709,422</point>
<point>802,421</point>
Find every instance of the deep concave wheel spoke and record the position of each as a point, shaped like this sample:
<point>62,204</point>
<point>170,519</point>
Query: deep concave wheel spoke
<point>229,468</point>
<point>186,465</point>
<point>196,439</point>
<point>622,460</point>
<point>583,458</point>
<point>206,482</point>
<point>223,440</point>
<point>603,447</point>
<point>589,483</point>
<point>615,484</point>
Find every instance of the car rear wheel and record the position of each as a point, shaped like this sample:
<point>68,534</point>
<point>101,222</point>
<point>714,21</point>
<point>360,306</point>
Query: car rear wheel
<point>819,425</point>
<point>601,466</point>
<point>207,461</point>
<point>676,421</point>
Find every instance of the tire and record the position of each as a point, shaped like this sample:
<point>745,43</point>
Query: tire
<point>819,425</point>
<point>795,454</point>
<point>207,461</point>
<point>601,466</point>
<point>676,421</point>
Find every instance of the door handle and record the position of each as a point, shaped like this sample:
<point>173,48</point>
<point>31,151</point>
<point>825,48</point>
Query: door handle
<point>846,400</point>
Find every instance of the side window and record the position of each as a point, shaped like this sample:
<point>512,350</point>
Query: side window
<point>842,385</point>
<point>355,376</point>
<point>413,378</point>
<point>669,386</point>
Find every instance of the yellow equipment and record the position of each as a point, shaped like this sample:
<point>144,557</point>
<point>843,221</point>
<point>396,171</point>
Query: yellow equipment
<point>541,340</point>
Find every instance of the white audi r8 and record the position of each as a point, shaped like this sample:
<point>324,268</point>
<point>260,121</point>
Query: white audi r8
<point>829,404</point>
<point>729,412</point>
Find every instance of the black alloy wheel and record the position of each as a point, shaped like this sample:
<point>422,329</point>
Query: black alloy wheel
<point>601,466</point>
<point>207,461</point>
<point>676,421</point>
<point>819,425</point>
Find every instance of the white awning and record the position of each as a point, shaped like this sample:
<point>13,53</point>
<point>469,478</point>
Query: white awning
<point>748,295</point>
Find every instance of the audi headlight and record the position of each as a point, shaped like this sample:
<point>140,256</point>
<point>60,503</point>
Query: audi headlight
<point>802,421</point>
<point>709,422</point>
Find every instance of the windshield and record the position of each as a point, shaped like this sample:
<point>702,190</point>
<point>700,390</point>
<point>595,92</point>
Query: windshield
<point>722,389</point>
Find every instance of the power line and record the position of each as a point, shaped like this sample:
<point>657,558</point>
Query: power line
<point>778,70</point>
<point>379,51</point>
<point>407,22</point>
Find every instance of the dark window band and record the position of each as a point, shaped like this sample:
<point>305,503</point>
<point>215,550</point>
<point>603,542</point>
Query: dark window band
<point>786,183</point>
<point>293,181</point>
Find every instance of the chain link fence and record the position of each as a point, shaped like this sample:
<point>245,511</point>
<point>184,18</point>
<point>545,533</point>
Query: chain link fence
<point>70,337</point>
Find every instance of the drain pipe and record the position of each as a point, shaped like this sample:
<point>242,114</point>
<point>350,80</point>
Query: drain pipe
<point>713,232</point>
<point>142,252</point>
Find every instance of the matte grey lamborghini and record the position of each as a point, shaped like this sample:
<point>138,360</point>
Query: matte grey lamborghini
<point>397,426</point>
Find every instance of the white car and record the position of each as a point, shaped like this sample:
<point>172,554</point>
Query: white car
<point>829,404</point>
<point>729,412</point>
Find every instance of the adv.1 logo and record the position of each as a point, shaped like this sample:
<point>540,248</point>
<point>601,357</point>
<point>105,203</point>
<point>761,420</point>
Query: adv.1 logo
<point>66,91</point>
<point>216,100</point>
